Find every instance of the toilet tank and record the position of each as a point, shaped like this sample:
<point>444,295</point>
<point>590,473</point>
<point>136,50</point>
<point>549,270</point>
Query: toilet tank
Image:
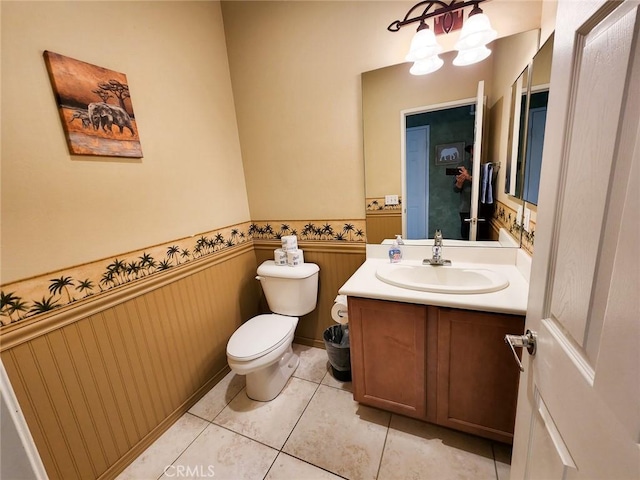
<point>291,291</point>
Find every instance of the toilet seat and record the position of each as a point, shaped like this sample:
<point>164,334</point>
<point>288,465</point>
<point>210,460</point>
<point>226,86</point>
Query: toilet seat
<point>259,336</point>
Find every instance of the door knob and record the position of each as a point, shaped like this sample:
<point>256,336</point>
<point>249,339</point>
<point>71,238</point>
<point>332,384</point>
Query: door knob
<point>528,341</point>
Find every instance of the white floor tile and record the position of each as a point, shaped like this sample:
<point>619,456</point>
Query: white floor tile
<point>152,463</point>
<point>219,396</point>
<point>287,467</point>
<point>331,381</point>
<point>221,454</point>
<point>311,431</point>
<point>268,422</point>
<point>418,450</point>
<point>313,363</point>
<point>339,435</point>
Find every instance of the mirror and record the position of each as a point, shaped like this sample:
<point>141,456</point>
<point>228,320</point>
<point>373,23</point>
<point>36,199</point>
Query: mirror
<point>517,134</point>
<point>536,121</point>
<point>530,94</point>
<point>386,92</point>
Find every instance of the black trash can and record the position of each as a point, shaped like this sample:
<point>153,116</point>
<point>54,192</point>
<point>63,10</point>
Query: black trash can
<point>336,341</point>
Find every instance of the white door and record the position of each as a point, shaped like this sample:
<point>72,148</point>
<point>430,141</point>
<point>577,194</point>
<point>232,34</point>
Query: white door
<point>417,182</point>
<point>477,155</point>
<point>579,399</point>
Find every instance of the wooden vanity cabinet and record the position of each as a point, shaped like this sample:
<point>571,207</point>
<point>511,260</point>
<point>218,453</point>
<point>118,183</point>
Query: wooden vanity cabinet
<point>443,365</point>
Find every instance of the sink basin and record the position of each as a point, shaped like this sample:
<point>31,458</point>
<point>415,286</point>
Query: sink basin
<point>442,279</point>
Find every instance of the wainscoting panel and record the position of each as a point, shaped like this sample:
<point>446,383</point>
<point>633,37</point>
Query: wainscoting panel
<point>337,263</point>
<point>383,224</point>
<point>96,389</point>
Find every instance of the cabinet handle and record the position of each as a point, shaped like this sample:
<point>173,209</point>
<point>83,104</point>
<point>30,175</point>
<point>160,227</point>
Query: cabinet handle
<point>528,341</point>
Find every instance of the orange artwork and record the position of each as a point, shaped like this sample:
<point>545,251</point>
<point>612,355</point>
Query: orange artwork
<point>95,108</point>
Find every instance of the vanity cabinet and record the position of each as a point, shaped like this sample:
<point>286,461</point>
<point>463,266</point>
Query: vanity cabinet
<point>443,365</point>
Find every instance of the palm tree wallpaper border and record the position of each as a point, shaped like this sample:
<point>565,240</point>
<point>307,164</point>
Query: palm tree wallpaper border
<point>506,217</point>
<point>375,204</point>
<point>55,290</point>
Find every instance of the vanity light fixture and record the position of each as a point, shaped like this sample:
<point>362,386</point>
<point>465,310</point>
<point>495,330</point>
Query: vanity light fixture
<point>476,33</point>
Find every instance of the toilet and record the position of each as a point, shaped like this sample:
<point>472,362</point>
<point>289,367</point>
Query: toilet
<point>261,347</point>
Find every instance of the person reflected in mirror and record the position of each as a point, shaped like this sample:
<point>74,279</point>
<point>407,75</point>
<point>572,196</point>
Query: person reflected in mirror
<point>462,186</point>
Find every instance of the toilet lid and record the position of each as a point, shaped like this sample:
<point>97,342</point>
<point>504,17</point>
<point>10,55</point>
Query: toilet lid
<point>258,336</point>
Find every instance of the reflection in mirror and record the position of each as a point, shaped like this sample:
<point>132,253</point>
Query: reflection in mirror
<point>389,91</point>
<point>431,199</point>
<point>517,134</point>
<point>530,94</point>
<point>537,116</point>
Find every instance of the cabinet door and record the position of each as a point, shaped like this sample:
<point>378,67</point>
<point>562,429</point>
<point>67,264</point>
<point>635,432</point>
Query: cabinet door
<point>477,376</point>
<point>388,355</point>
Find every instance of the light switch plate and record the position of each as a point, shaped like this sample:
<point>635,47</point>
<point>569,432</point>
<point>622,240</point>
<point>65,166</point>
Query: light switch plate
<point>391,200</point>
<point>527,219</point>
<point>519,215</point>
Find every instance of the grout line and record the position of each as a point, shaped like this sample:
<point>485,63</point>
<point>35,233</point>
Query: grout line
<point>384,445</point>
<point>313,465</point>
<point>172,462</point>
<point>302,413</point>
<point>495,463</point>
<point>209,423</point>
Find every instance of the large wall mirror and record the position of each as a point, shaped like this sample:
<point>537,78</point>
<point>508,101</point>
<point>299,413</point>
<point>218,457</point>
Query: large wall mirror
<point>390,92</point>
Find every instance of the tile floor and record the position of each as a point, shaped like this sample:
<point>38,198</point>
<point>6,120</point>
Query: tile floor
<point>312,430</point>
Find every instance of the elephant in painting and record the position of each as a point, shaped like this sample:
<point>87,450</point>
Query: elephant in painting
<point>449,154</point>
<point>103,116</point>
<point>83,116</point>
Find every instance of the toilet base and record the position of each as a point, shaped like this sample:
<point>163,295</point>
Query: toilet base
<point>265,384</point>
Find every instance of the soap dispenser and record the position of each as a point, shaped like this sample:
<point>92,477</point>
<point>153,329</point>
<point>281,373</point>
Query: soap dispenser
<point>395,254</point>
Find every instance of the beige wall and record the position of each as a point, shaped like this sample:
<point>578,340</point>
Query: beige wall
<point>60,210</point>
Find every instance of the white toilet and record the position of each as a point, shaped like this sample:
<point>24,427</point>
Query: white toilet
<point>261,347</point>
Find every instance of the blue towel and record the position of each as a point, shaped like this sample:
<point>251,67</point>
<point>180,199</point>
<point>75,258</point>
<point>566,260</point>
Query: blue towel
<point>486,195</point>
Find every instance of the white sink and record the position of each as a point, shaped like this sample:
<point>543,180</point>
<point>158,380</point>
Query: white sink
<point>442,279</point>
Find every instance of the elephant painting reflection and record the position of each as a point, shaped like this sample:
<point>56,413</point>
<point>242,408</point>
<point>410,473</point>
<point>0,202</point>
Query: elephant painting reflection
<point>91,101</point>
<point>449,153</point>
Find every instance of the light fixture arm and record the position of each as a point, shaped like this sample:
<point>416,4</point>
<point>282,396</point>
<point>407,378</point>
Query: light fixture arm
<point>440,9</point>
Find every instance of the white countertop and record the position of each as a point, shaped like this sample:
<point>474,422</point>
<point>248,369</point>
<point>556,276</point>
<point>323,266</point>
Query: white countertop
<point>509,262</point>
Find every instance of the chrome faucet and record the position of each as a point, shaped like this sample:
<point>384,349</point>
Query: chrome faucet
<point>436,258</point>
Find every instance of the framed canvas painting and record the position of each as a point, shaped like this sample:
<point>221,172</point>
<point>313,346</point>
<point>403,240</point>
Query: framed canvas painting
<point>95,108</point>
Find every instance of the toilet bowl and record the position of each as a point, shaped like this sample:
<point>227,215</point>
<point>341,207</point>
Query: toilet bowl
<point>261,348</point>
